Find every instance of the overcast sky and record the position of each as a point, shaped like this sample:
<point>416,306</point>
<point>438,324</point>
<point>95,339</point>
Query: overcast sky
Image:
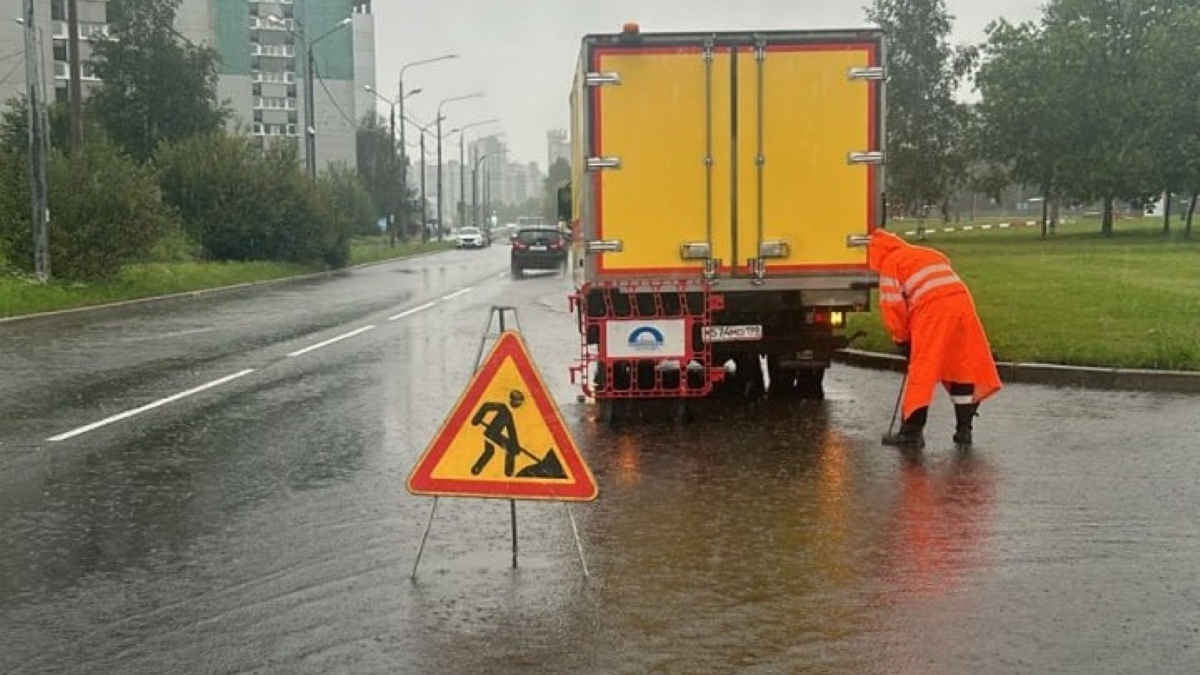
<point>521,53</point>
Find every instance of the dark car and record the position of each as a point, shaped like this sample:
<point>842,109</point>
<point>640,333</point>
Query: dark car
<point>538,248</point>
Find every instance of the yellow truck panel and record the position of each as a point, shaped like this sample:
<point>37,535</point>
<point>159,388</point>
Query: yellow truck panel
<point>733,142</point>
<point>657,120</point>
<point>812,116</point>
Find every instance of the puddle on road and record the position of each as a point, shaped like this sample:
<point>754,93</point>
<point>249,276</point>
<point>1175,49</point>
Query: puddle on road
<point>761,536</point>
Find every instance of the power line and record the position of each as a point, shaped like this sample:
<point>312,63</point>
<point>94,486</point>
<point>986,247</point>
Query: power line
<point>332,100</point>
<point>12,55</point>
<point>12,70</point>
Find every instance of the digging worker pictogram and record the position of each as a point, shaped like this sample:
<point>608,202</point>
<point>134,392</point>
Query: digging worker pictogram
<point>501,431</point>
<point>931,317</point>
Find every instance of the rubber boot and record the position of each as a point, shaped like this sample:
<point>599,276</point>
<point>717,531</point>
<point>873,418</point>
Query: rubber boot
<point>911,435</point>
<point>964,413</point>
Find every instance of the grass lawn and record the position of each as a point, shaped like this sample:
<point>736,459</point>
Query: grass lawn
<point>1077,298</point>
<point>21,295</point>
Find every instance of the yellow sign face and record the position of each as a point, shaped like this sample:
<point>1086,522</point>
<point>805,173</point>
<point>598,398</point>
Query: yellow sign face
<point>505,438</point>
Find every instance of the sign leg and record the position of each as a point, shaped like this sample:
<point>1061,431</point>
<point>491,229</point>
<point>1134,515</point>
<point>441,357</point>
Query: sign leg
<point>424,535</point>
<point>513,508</point>
<point>578,542</point>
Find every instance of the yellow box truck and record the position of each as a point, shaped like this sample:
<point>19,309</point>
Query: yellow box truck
<point>723,184</point>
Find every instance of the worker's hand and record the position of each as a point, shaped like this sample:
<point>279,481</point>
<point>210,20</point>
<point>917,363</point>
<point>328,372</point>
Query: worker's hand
<point>904,349</point>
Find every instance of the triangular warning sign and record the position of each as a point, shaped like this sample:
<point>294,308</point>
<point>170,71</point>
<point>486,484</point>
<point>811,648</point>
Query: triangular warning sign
<point>505,438</point>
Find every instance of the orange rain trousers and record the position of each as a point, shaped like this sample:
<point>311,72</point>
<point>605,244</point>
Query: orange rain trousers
<point>948,345</point>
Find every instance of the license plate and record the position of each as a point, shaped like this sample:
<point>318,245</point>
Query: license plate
<point>732,333</point>
<point>537,248</point>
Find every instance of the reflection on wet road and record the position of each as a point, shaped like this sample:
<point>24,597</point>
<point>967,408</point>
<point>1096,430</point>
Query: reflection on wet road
<point>263,527</point>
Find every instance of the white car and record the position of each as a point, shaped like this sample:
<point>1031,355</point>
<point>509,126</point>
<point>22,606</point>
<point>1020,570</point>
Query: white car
<point>469,237</point>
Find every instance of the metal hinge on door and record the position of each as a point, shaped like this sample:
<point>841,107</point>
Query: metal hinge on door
<point>602,79</point>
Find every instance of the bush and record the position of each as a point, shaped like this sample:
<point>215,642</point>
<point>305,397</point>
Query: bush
<point>105,211</point>
<point>240,203</point>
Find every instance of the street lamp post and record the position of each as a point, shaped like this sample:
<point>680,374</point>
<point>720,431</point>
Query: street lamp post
<point>462,165</point>
<point>404,159</point>
<point>424,129</point>
<point>475,181</point>
<point>439,151</point>
<point>393,225</point>
<point>475,188</point>
<point>310,114</point>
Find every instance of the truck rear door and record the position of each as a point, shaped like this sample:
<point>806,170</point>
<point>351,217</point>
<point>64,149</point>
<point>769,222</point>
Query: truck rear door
<point>737,146</point>
<point>667,124</point>
<point>802,118</point>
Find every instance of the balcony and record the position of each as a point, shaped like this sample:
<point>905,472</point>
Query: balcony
<point>259,129</point>
<point>273,77</point>
<point>282,25</point>
<point>87,31</point>
<point>279,51</point>
<point>274,103</point>
<point>87,73</point>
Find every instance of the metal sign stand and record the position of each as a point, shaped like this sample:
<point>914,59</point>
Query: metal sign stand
<point>498,311</point>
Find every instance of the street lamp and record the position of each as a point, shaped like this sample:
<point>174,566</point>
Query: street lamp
<point>475,181</point>
<point>452,99</point>
<point>462,164</point>
<point>424,129</point>
<point>474,159</point>
<point>400,105</point>
<point>310,115</point>
<point>393,225</point>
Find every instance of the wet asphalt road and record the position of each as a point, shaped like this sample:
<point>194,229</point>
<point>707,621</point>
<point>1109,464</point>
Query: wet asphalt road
<point>261,525</point>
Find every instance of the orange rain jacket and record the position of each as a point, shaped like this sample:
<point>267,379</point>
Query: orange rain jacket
<point>925,304</point>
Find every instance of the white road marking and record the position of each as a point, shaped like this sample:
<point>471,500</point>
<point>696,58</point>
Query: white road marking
<point>149,406</point>
<point>164,336</point>
<point>410,312</point>
<point>216,383</point>
<point>330,341</point>
<point>457,293</point>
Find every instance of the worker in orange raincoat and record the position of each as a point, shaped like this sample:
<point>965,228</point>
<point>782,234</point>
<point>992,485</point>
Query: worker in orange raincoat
<point>931,317</point>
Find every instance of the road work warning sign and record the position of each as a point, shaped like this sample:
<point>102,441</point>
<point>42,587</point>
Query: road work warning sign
<point>504,438</point>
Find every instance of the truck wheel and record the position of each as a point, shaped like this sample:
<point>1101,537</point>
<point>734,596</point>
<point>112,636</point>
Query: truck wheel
<point>608,412</point>
<point>793,384</point>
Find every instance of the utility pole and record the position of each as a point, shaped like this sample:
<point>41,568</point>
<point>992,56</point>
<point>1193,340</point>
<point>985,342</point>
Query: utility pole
<point>76,75</point>
<point>310,121</point>
<point>37,147</point>
<point>424,202</point>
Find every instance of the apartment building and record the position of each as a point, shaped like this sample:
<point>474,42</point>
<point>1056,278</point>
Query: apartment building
<point>51,20</point>
<point>264,47</point>
<point>263,50</point>
<point>558,146</point>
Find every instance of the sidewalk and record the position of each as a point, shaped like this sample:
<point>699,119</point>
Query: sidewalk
<point>1055,376</point>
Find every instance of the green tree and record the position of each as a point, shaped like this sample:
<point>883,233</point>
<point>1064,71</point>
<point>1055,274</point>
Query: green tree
<point>1025,117</point>
<point>926,126</point>
<point>1172,58</point>
<point>156,85</point>
<point>112,217</point>
<point>559,175</point>
<point>379,169</point>
<point>1095,45</point>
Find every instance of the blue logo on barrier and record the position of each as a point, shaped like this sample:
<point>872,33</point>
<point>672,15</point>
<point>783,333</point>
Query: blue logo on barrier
<point>646,338</point>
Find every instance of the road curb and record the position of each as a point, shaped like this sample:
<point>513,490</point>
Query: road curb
<point>1127,379</point>
<point>192,295</point>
